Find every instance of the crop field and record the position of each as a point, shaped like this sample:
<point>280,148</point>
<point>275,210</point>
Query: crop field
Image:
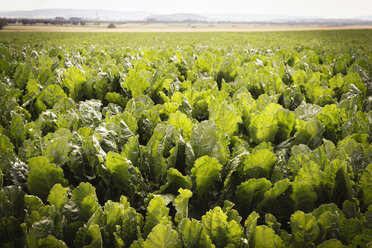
<point>203,139</point>
<point>170,27</point>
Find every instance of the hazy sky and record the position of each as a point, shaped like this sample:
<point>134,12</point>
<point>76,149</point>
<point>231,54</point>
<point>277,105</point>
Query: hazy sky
<point>319,8</point>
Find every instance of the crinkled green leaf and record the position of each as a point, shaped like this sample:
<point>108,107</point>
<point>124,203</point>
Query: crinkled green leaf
<point>73,80</point>
<point>251,192</point>
<point>309,133</point>
<point>366,185</point>
<point>51,242</point>
<point>131,150</point>
<point>250,224</point>
<point>181,203</point>
<point>89,113</point>
<point>132,224</point>
<point>303,196</point>
<point>206,173</point>
<point>17,129</point>
<point>215,221</point>
<point>193,234</point>
<point>125,175</point>
<point>182,123</point>
<point>285,121</point>
<point>51,95</point>
<point>272,195</point>
<point>225,117</point>
<point>84,196</point>
<point>306,111</point>
<point>57,150</point>
<point>43,176</point>
<point>349,228</point>
<point>304,227</point>
<point>205,141</point>
<point>137,81</point>
<point>257,164</point>
<point>114,97</point>
<point>176,181</point>
<point>265,237</point>
<point>156,211</point>
<point>163,237</point>
<point>332,243</point>
<point>89,237</point>
<point>159,147</point>
<point>58,196</point>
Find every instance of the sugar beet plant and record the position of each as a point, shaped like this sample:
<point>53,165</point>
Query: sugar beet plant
<point>186,140</point>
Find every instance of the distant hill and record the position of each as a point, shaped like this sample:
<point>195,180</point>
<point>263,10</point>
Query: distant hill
<point>366,18</point>
<point>178,17</point>
<point>137,15</point>
<point>112,15</point>
<point>83,13</point>
<point>248,17</point>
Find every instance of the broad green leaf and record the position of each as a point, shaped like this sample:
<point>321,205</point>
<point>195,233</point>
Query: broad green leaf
<point>193,234</point>
<point>349,228</point>
<point>58,196</point>
<point>304,227</point>
<point>205,141</point>
<point>309,133</point>
<point>113,212</point>
<point>84,197</point>
<point>163,237</point>
<point>206,173</point>
<point>89,113</point>
<point>159,147</point>
<point>263,128</point>
<point>251,192</point>
<point>89,237</point>
<point>57,149</point>
<point>265,237</point>
<point>257,164</point>
<point>176,181</point>
<point>131,226</point>
<point>332,243</point>
<point>342,188</point>
<point>234,233</point>
<point>43,176</point>
<point>137,81</point>
<point>51,95</point>
<point>273,195</point>
<point>215,221</point>
<point>182,123</point>
<point>125,175</point>
<point>181,203</point>
<point>114,97</point>
<point>272,222</point>
<point>131,150</point>
<point>73,80</point>
<point>51,242</point>
<point>250,224</point>
<point>39,229</point>
<point>285,121</point>
<point>17,129</point>
<point>156,211</point>
<point>331,119</point>
<point>225,117</point>
<point>306,111</point>
<point>303,196</point>
<point>310,173</point>
<point>365,183</point>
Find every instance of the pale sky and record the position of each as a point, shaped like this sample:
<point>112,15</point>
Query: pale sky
<point>317,8</point>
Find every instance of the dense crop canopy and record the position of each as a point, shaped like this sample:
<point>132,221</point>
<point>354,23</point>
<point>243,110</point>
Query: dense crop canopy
<point>186,140</point>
